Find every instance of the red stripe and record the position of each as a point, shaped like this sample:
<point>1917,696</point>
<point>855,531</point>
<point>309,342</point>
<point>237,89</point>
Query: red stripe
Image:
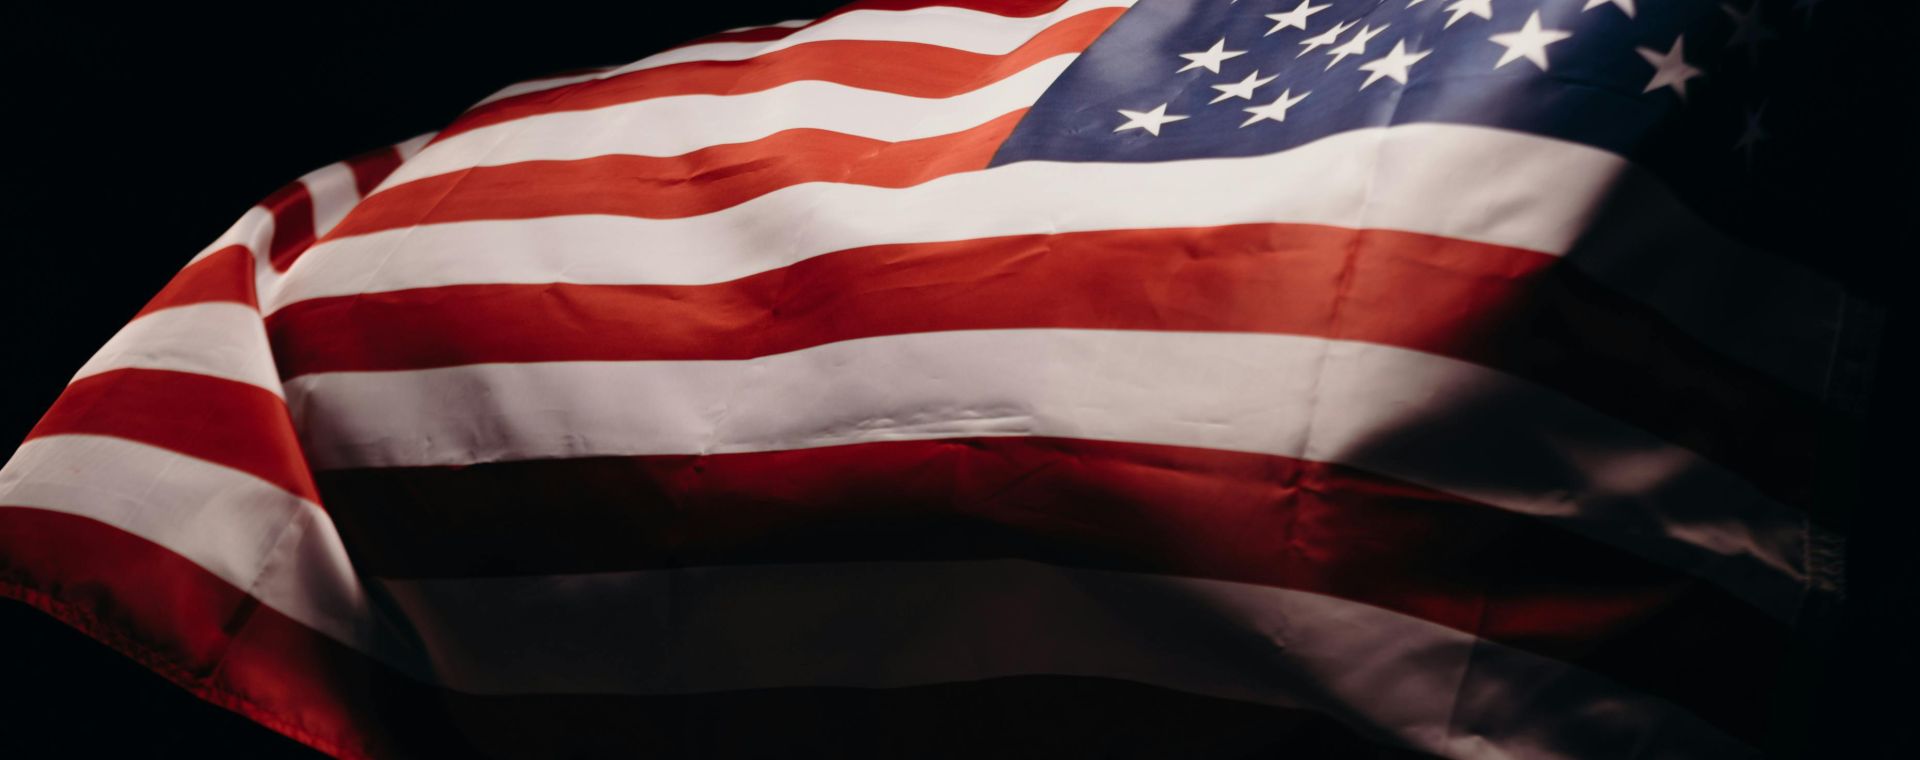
<point>1159,509</point>
<point>1505,308</point>
<point>205,635</point>
<point>198,631</point>
<point>907,68</point>
<point>370,168</point>
<point>700,182</point>
<point>225,275</point>
<point>292,208</point>
<point>222,421</point>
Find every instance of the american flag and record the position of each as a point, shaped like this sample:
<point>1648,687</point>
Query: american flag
<point>1407,371</point>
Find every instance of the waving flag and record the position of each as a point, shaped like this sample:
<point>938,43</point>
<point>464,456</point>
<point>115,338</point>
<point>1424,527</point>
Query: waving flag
<point>1406,375</point>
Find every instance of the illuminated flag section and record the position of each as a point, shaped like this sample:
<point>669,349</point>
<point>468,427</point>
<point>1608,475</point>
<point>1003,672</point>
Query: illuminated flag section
<point>1354,378</point>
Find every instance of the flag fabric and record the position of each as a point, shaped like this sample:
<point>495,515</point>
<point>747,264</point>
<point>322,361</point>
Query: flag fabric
<point>1393,378</point>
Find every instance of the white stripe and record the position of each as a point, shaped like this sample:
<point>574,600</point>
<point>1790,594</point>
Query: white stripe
<point>334,193</point>
<point>411,146</point>
<point>254,230</point>
<point>244,530</point>
<point>1612,221</point>
<point>220,339</point>
<point>794,23</point>
<point>675,125</point>
<point>884,625</point>
<point>543,83</point>
<point>1438,422</point>
<point>957,28</point>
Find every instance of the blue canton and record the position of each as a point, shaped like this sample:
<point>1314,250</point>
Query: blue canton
<point>1181,79</point>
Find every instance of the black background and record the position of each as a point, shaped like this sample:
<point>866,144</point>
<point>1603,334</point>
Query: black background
<point>135,138</point>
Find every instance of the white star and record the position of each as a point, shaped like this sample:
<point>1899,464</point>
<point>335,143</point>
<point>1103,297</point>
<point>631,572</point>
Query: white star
<point>1393,66</point>
<point>1242,89</point>
<point>1357,45</point>
<point>1460,9</point>
<point>1294,19</point>
<point>1276,111</point>
<point>1754,133</point>
<point>1748,29</point>
<point>1211,58</point>
<point>1626,6</point>
<point>1147,120</point>
<point>1670,69</point>
<point>1530,42</point>
<point>1325,39</point>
